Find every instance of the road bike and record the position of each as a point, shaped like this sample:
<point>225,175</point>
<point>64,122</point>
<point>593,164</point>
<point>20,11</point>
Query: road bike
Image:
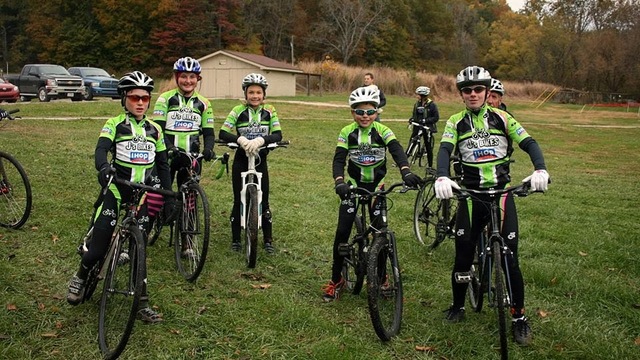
<point>123,280</point>
<point>15,189</point>
<point>190,232</point>
<point>489,274</point>
<point>251,201</point>
<point>372,251</point>
<point>417,149</point>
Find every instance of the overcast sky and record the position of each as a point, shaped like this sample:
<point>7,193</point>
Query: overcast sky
<point>516,4</point>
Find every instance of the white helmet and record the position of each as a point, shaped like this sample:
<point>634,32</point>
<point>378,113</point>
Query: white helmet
<point>254,79</point>
<point>496,86</point>
<point>365,94</point>
<point>473,75</point>
<point>423,90</point>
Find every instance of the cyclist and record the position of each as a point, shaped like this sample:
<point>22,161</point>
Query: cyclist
<point>362,148</point>
<point>184,115</point>
<point>369,81</point>
<point>138,154</point>
<point>496,92</point>
<point>483,138</point>
<point>425,112</point>
<point>256,124</point>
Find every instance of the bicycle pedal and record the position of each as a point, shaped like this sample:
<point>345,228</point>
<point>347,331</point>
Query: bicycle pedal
<point>344,249</point>
<point>462,277</point>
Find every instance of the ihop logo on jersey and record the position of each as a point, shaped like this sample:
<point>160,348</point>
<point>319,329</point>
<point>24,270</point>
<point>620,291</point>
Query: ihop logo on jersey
<point>139,157</point>
<point>484,154</point>
<point>366,159</point>
<point>183,125</point>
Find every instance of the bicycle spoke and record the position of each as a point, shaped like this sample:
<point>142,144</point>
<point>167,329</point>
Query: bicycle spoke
<point>192,234</point>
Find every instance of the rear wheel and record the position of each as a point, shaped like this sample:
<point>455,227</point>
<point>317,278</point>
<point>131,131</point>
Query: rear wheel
<point>354,265</point>
<point>251,226</point>
<point>384,287</point>
<point>192,233</point>
<point>15,193</point>
<point>501,297</point>
<point>123,286</point>
<point>426,212</point>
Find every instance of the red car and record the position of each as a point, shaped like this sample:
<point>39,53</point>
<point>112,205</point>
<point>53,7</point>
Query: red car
<point>8,91</point>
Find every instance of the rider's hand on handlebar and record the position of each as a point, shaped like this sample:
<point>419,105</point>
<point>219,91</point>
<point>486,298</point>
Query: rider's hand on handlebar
<point>444,187</point>
<point>104,173</point>
<point>539,180</point>
<point>342,189</point>
<point>208,154</point>
<point>410,179</point>
<point>254,145</point>
<point>243,142</point>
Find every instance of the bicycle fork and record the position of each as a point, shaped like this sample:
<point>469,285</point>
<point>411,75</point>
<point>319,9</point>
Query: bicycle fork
<point>243,195</point>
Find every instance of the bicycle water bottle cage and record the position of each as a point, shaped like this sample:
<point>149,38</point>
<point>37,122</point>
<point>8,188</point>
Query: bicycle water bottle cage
<point>462,277</point>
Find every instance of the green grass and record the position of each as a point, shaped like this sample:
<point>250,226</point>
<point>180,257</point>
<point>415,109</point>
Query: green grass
<point>578,249</point>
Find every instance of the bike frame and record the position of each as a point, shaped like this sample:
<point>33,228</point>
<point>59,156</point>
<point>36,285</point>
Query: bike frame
<point>251,177</point>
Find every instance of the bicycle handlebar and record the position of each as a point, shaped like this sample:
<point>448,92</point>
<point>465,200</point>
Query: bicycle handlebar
<point>424,126</point>
<point>360,191</point>
<point>520,190</point>
<point>235,146</point>
<point>145,187</point>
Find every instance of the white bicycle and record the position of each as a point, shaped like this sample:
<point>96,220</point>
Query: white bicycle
<point>251,201</point>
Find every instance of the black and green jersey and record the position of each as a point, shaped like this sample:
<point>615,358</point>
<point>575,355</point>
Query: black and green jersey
<point>182,119</point>
<point>252,123</point>
<point>366,149</point>
<point>134,145</point>
<point>484,143</point>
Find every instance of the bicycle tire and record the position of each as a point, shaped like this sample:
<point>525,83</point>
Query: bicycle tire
<point>192,232</point>
<point>426,212</point>
<point>93,276</point>
<point>354,265</point>
<point>478,284</point>
<point>156,228</point>
<point>251,226</point>
<point>500,296</point>
<point>121,293</point>
<point>15,195</point>
<point>384,287</point>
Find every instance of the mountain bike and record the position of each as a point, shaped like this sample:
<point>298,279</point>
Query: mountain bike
<point>123,280</point>
<point>372,251</point>
<point>15,189</point>
<point>489,275</point>
<point>191,228</point>
<point>251,201</point>
<point>417,149</point>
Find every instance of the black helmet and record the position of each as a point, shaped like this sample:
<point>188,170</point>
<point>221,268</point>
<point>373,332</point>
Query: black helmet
<point>135,80</point>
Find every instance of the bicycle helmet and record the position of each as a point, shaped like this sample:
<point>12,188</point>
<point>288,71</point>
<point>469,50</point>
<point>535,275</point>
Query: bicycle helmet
<point>254,79</point>
<point>135,80</point>
<point>423,90</point>
<point>365,94</point>
<point>473,75</point>
<point>187,64</point>
<point>496,86</point>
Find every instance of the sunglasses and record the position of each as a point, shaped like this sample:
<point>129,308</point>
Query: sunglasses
<point>361,112</point>
<point>136,98</point>
<point>477,89</point>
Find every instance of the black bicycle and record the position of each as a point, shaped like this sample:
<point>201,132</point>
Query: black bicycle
<point>191,228</point>
<point>417,148</point>
<point>15,189</point>
<point>123,279</point>
<point>489,275</point>
<point>372,251</point>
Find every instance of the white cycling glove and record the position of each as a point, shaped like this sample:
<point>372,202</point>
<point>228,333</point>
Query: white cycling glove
<point>243,142</point>
<point>444,187</point>
<point>539,180</point>
<point>254,145</point>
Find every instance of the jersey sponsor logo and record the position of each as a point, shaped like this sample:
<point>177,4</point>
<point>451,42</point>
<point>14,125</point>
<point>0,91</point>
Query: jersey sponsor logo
<point>484,154</point>
<point>139,157</point>
<point>342,140</point>
<point>183,125</point>
<point>366,159</point>
<point>210,120</point>
<point>447,135</point>
<point>106,130</point>
<point>520,131</point>
<point>158,112</point>
<point>161,100</point>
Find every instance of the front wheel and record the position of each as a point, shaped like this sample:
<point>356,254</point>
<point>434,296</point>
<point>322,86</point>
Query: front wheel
<point>43,96</point>
<point>192,233</point>
<point>384,287</point>
<point>354,265</point>
<point>251,226</point>
<point>123,287</point>
<point>15,193</point>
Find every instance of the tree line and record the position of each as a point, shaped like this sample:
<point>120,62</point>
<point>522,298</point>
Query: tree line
<point>587,45</point>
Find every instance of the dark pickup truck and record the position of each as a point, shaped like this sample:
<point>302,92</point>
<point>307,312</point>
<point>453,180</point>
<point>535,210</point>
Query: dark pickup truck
<point>46,82</point>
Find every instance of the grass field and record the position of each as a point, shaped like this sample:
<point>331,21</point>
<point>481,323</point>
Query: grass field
<point>579,245</point>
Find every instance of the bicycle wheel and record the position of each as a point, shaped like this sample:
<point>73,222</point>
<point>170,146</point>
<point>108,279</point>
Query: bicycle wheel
<point>192,234</point>
<point>93,277</point>
<point>478,274</point>
<point>121,293</point>
<point>15,193</point>
<point>155,229</point>
<point>384,287</point>
<point>426,212</point>
<point>251,226</point>
<point>412,151</point>
<point>501,297</point>
<point>354,266</point>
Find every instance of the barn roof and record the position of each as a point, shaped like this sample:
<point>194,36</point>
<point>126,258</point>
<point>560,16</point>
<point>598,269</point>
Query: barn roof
<point>260,61</point>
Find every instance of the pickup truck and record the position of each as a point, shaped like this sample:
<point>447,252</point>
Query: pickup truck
<point>97,82</point>
<point>46,82</point>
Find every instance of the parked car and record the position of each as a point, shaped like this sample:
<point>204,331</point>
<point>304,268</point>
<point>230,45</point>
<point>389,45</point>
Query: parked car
<point>8,91</point>
<point>97,82</point>
<point>46,82</point>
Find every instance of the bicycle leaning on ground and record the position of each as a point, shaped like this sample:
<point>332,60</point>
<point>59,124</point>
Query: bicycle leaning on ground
<point>15,188</point>
<point>489,273</point>
<point>417,149</point>
<point>251,201</point>
<point>372,251</point>
<point>190,232</point>
<point>123,280</point>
